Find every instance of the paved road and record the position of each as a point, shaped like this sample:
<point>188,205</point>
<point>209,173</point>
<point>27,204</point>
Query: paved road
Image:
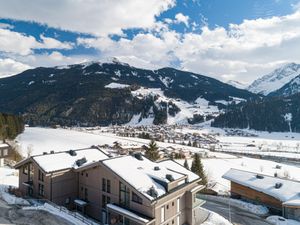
<point>238,216</point>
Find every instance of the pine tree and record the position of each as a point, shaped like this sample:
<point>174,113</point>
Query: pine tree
<point>197,168</point>
<point>152,151</point>
<point>186,165</point>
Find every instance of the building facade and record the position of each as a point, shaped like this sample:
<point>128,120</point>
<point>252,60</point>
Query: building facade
<point>278,194</point>
<point>119,190</point>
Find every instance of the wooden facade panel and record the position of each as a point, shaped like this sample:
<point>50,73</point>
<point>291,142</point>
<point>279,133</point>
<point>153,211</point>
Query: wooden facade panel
<point>254,195</point>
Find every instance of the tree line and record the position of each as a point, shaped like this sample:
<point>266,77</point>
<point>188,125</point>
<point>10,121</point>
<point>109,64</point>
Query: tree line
<point>10,126</point>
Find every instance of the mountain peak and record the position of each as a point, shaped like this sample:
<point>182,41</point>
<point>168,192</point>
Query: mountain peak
<point>275,80</point>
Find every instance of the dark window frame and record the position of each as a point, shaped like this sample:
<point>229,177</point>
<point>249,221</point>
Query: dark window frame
<point>135,198</point>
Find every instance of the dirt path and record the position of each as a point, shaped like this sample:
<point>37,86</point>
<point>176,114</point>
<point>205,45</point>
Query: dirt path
<point>14,215</point>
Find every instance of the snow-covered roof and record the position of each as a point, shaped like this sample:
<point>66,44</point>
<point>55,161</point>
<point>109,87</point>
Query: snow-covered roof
<point>64,160</point>
<point>145,174</point>
<point>4,145</point>
<point>287,191</point>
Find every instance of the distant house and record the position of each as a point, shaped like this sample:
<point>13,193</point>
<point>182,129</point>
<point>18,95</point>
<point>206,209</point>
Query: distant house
<point>281,195</point>
<point>118,190</point>
<point>6,152</point>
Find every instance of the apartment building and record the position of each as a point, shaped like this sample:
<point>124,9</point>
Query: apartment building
<point>118,190</point>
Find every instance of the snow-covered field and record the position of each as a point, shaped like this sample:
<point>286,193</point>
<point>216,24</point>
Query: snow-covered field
<point>37,140</point>
<point>40,140</point>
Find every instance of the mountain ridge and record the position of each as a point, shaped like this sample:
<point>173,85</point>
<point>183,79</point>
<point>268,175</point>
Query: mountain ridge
<point>76,94</point>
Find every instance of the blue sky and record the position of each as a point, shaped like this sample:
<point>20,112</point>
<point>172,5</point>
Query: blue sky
<point>225,39</point>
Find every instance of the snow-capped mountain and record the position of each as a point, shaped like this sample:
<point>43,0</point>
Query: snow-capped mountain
<point>291,88</point>
<point>103,93</point>
<point>237,84</point>
<point>275,80</point>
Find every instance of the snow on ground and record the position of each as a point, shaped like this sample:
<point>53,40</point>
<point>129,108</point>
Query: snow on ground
<point>67,215</point>
<point>38,140</point>
<point>114,85</point>
<point>216,219</point>
<point>187,110</point>
<point>249,207</point>
<point>278,220</point>
<point>9,177</point>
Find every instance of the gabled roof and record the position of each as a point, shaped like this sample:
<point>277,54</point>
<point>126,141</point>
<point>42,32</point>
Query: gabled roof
<point>144,174</point>
<point>65,160</point>
<point>286,191</point>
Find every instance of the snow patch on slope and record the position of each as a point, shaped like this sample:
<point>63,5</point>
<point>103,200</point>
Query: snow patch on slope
<point>275,80</point>
<point>187,110</point>
<point>114,85</point>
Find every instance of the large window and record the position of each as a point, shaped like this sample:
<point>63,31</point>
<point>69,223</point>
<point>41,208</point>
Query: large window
<point>136,198</point>
<point>178,205</point>
<point>41,175</point>
<point>41,190</point>
<point>105,201</point>
<point>103,184</point>
<point>25,169</point>
<point>86,195</point>
<point>124,195</point>
<point>162,214</point>
<point>108,186</point>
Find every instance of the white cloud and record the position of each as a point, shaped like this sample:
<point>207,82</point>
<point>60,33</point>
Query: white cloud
<point>180,18</point>
<point>99,17</point>
<point>10,67</point>
<point>6,26</point>
<point>18,43</point>
<point>243,52</point>
<point>51,43</point>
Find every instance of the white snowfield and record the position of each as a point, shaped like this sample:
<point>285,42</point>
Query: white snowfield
<point>286,191</point>
<point>41,140</point>
<point>114,85</point>
<point>141,174</point>
<point>215,219</point>
<point>275,80</point>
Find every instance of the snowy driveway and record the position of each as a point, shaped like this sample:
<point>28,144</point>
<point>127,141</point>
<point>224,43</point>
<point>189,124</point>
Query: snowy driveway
<point>238,216</point>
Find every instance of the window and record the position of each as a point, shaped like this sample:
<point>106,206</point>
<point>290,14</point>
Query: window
<point>105,201</point>
<point>172,221</point>
<point>172,203</point>
<point>178,220</point>
<point>178,205</point>
<point>108,186</point>
<point>5,152</point>
<point>86,194</point>
<point>25,169</point>
<point>162,214</point>
<point>124,195</point>
<point>86,174</point>
<point>41,175</point>
<point>136,198</point>
<point>81,173</point>
<point>167,206</point>
<point>41,190</point>
<point>103,184</point>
